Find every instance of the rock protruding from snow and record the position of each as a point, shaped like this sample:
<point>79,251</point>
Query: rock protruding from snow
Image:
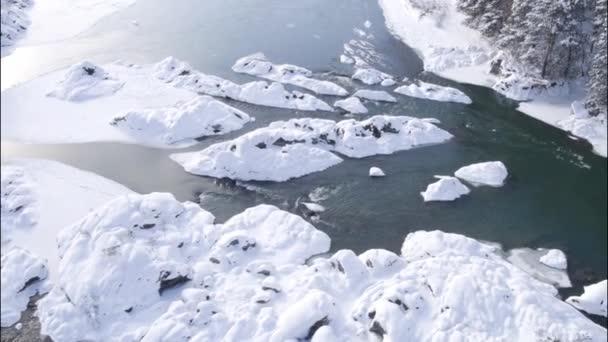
<point>376,172</point>
<point>489,173</point>
<point>183,123</point>
<point>371,76</point>
<point>181,74</point>
<point>445,189</point>
<point>84,81</point>
<point>276,152</point>
<point>258,65</point>
<point>555,258</point>
<point>16,201</point>
<point>374,95</point>
<point>14,20</point>
<point>591,128</point>
<point>352,105</point>
<point>20,276</point>
<point>433,92</point>
<point>593,300</point>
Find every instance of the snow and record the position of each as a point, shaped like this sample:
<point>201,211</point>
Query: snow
<point>433,92</point>
<point>491,173</point>
<point>367,24</point>
<point>374,95</point>
<point>258,65</point>
<point>528,260</point>
<point>372,76</point>
<point>181,124</point>
<point>445,189</point>
<point>14,21</point>
<point>593,300</point>
<point>346,60</point>
<point>555,258</point>
<point>275,153</point>
<point>314,207</point>
<point>84,81</point>
<point>17,210</point>
<point>351,105</point>
<point>180,74</point>
<point>591,128</point>
<point>376,172</point>
<point>21,275</point>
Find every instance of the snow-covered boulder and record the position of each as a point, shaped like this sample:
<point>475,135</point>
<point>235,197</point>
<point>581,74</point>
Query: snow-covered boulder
<point>555,258</point>
<point>352,105</point>
<point>21,275</point>
<point>14,20</point>
<point>258,65</point>
<point>181,74</point>
<point>17,201</point>
<point>433,92</point>
<point>489,173</point>
<point>374,95</point>
<point>593,300</point>
<point>314,207</point>
<point>346,60</point>
<point>183,123</point>
<point>276,152</point>
<point>445,189</point>
<point>376,172</point>
<point>591,128</point>
<point>371,76</point>
<point>85,81</point>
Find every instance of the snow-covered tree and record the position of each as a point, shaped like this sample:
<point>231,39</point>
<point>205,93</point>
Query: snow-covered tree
<point>598,76</point>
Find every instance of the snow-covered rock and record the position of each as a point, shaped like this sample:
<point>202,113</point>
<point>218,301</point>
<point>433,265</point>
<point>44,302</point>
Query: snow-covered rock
<point>591,128</point>
<point>183,123</point>
<point>14,20</point>
<point>21,275</point>
<point>433,92</point>
<point>376,172</point>
<point>346,60</point>
<point>276,152</point>
<point>445,189</point>
<point>352,105</point>
<point>528,260</point>
<point>555,258</point>
<point>84,81</point>
<point>181,74</point>
<point>314,207</point>
<point>593,300</point>
<point>258,65</point>
<point>374,95</point>
<point>489,173</point>
<point>17,202</point>
<point>372,76</point>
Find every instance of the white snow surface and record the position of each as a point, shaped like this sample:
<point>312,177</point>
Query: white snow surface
<point>374,95</point>
<point>591,128</point>
<point>555,258</point>
<point>314,207</point>
<point>21,275</point>
<point>429,91</point>
<point>352,105</point>
<point>528,260</point>
<point>375,171</point>
<point>258,65</point>
<point>14,21</point>
<point>491,173</point>
<point>182,75</point>
<point>181,124</point>
<point>372,76</point>
<point>593,300</point>
<point>447,188</point>
<point>17,201</point>
<point>84,81</point>
<point>275,153</point>
<point>246,280</point>
<point>346,60</point>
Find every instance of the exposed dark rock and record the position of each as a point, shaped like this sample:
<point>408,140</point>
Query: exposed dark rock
<point>318,324</point>
<point>168,283</point>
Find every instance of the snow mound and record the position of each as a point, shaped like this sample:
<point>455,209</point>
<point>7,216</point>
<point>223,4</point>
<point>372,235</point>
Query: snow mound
<point>276,152</point>
<point>593,300</point>
<point>433,92</point>
<point>14,20</point>
<point>592,128</point>
<point>182,124</point>
<point>555,258</point>
<point>20,276</point>
<point>445,189</point>
<point>376,172</point>
<point>489,173</point>
<point>17,201</point>
<point>314,207</point>
<point>258,65</point>
<point>84,81</point>
<point>346,60</point>
<point>371,76</point>
<point>374,95</point>
<point>180,74</point>
<point>351,105</point>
